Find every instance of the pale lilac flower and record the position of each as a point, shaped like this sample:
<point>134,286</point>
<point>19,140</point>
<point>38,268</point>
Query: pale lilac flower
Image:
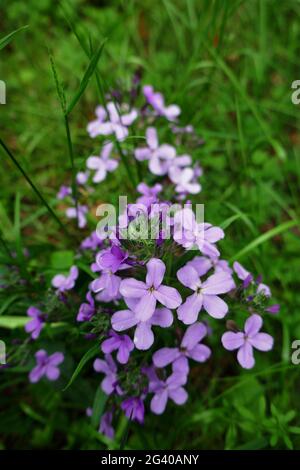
<point>189,233</point>
<point>78,213</point>
<point>63,192</point>
<point>143,336</point>
<point>103,163</point>
<point>159,156</point>
<point>203,264</point>
<point>156,100</point>
<point>62,282</point>
<point>46,366</point>
<point>247,277</point>
<point>92,242</point>
<point>108,367</point>
<point>190,347</point>
<point>106,425</point>
<point>35,325</point>
<point>205,294</point>
<point>151,291</point>
<point>116,122</point>
<point>134,409</point>
<point>106,286</point>
<point>122,343</point>
<point>82,177</point>
<point>86,309</point>
<point>185,180</point>
<point>172,388</point>
<point>246,341</point>
<point>149,194</point>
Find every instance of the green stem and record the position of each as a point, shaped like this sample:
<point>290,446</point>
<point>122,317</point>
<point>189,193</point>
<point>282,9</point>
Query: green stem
<point>35,189</point>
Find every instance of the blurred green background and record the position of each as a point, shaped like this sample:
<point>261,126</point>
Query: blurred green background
<point>229,65</point>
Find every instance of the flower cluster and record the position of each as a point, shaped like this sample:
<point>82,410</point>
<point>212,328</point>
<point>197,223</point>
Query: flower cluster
<point>166,294</point>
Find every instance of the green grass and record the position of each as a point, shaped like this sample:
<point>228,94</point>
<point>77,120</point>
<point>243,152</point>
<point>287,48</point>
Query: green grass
<point>229,65</point>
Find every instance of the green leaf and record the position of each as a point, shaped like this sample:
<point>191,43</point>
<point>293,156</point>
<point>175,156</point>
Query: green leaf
<point>86,78</point>
<point>265,237</point>
<point>7,39</point>
<point>62,260</point>
<point>87,357</point>
<point>98,407</point>
<point>11,322</point>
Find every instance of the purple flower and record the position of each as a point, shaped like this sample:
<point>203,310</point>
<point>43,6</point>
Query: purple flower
<point>151,291</point>
<point>168,389</point>
<point>115,122</point>
<point>106,426</point>
<point>87,309</point>
<point>247,277</point>
<point>246,341</point>
<point>203,264</point>
<point>149,195</point>
<point>122,343</point>
<point>79,213</point>
<point>185,180</point>
<point>36,324</point>
<point>159,156</point>
<point>102,164</point>
<point>134,409</point>
<point>190,348</point>
<point>143,336</point>
<point>46,365</point>
<point>62,283</point>
<point>205,294</point>
<point>82,177</point>
<point>273,308</point>
<point>63,192</point>
<point>188,233</point>
<point>157,102</point>
<point>112,259</point>
<point>93,242</point>
<point>108,367</point>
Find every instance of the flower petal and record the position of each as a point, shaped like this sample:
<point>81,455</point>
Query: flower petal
<point>231,340</point>
<point>132,288</point>
<point>245,356</point>
<point>143,337</point>
<point>155,272</point>
<point>189,310</point>
<point>189,277</point>
<point>253,325</point>
<point>215,306</point>
<point>168,296</point>
<point>165,356</point>
<point>262,341</point>
<point>162,317</point>
<point>123,320</point>
<point>159,402</point>
<point>218,283</point>
<point>199,353</point>
<point>146,306</point>
<point>193,335</point>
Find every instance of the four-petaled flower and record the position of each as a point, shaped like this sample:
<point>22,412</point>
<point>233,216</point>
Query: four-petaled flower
<point>35,325</point>
<point>114,121</point>
<point>143,336</point>
<point>151,291</point>
<point>102,164</point>
<point>108,367</point>
<point>157,101</point>
<point>122,343</point>
<point>190,347</point>
<point>247,340</point>
<point>172,388</point>
<point>160,156</point>
<point>46,366</point>
<point>62,282</point>
<point>205,294</point>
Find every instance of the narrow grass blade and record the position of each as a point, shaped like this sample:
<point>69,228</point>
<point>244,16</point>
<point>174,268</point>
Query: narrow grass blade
<point>86,78</point>
<point>265,237</point>
<point>30,182</point>
<point>87,357</point>
<point>98,406</point>
<point>7,39</point>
